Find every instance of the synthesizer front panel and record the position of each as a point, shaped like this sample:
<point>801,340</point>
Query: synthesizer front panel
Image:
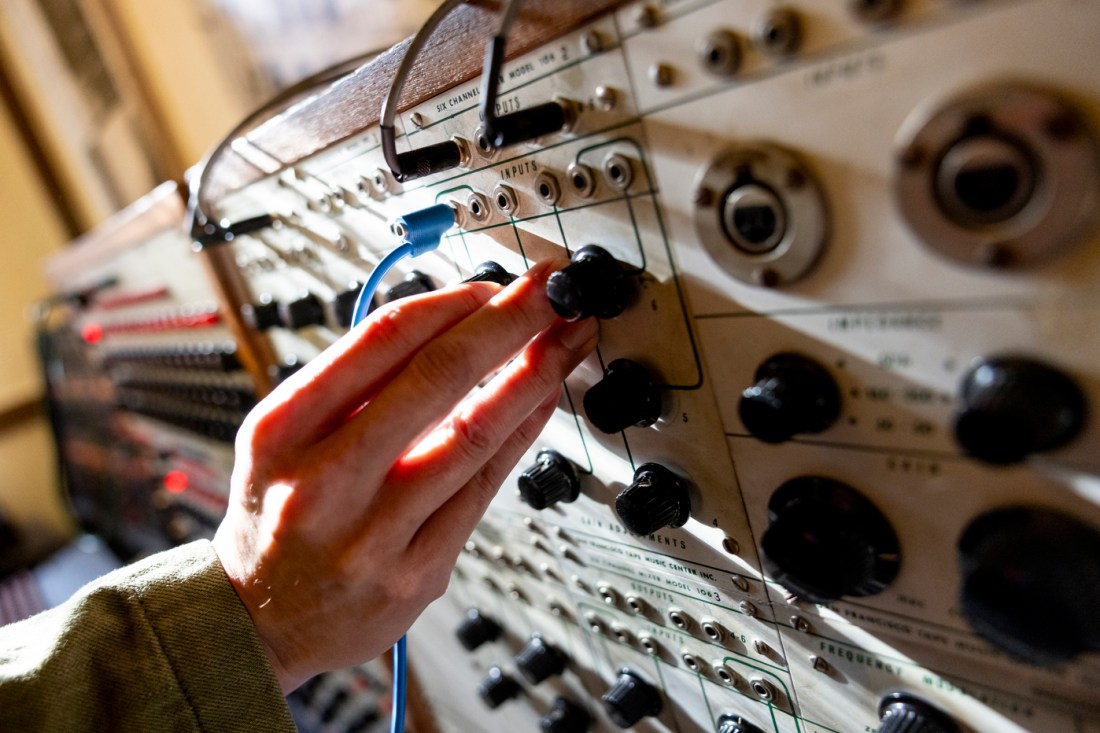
<point>835,467</point>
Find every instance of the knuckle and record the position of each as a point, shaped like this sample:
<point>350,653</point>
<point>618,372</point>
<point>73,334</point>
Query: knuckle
<point>478,436</point>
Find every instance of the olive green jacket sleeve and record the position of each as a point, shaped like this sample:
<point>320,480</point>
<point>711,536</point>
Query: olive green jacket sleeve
<point>162,645</point>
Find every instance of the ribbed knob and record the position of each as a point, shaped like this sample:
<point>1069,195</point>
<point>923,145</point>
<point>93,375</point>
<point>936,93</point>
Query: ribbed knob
<point>904,713</point>
<point>657,498</point>
<point>631,699</point>
<point>792,395</point>
<point>552,479</point>
<point>565,717</point>
<point>477,629</point>
<point>261,315</point>
<point>1011,407</point>
<point>306,310</point>
<point>626,396</point>
<point>498,688</point>
<point>539,660</point>
<point>415,283</point>
<point>593,284</point>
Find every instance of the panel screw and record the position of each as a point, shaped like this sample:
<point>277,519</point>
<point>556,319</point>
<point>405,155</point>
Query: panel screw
<point>662,75</point>
<point>417,119</point>
<point>800,624</point>
<point>592,42</point>
<point>820,664</point>
<point>606,98</point>
<point>747,608</point>
<point>731,546</point>
<point>741,584</point>
<point>648,16</point>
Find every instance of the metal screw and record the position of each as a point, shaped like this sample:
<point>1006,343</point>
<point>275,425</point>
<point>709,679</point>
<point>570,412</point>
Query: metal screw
<point>662,74</point>
<point>606,98</point>
<point>800,624</point>
<point>747,608</point>
<point>731,546</point>
<point>592,42</point>
<point>648,16</point>
<point>780,33</point>
<point>762,647</point>
<point>740,583</point>
<point>820,664</point>
<point>703,196</point>
<point>417,119</point>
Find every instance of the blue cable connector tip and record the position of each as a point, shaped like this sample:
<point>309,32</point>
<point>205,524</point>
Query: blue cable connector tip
<point>424,229</point>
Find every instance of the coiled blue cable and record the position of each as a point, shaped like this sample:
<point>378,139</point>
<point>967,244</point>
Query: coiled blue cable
<point>422,231</point>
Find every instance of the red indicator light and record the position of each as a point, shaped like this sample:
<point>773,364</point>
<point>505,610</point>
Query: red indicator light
<point>92,333</point>
<point>175,482</point>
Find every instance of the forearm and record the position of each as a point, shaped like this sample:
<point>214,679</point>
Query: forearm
<point>164,644</point>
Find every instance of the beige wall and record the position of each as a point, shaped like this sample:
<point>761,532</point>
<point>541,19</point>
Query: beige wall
<point>29,231</point>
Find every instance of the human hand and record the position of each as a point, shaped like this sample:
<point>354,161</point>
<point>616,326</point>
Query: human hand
<point>360,478</point>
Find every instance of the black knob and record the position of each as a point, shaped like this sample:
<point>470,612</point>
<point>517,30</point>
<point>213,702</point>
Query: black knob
<point>593,284</point>
<point>825,540</point>
<point>626,396</point>
<point>792,395</point>
<point>261,315</point>
<point>498,688</point>
<point>657,498</point>
<point>491,272</point>
<point>1031,583</point>
<point>343,305</point>
<point>280,372</point>
<point>539,660</point>
<point>565,717</point>
<point>477,629</point>
<point>1011,407</point>
<point>415,283</point>
<point>631,699</point>
<point>550,480</point>
<point>901,712</point>
<point>304,311</point>
<point>733,723</point>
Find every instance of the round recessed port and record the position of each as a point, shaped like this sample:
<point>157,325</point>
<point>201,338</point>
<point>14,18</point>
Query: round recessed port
<point>504,196</point>
<point>763,689</point>
<point>720,53</point>
<point>679,619</point>
<point>484,146</point>
<point>651,646</point>
<point>691,661</point>
<point>724,673</point>
<point>760,214</point>
<point>637,605</point>
<point>618,171</point>
<point>1002,176</point>
<point>712,630</point>
<point>547,188</point>
<point>621,634</point>
<point>595,623</point>
<point>609,595</point>
<point>779,33</point>
<point>478,206</point>
<point>581,179</point>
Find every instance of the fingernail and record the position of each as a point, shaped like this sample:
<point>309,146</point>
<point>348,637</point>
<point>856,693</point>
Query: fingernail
<point>578,334</point>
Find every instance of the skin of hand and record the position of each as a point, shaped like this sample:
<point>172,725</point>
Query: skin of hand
<point>360,478</point>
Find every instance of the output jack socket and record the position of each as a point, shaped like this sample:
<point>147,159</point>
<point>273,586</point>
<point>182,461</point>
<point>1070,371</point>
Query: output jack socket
<point>713,630</point>
<point>679,619</point>
<point>720,53</point>
<point>763,689</point>
<point>504,196</point>
<point>582,180</point>
<point>618,171</point>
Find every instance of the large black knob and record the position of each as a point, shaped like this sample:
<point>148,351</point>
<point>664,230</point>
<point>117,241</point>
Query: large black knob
<point>261,315</point>
<point>792,395</point>
<point>1011,407</point>
<point>415,283</point>
<point>550,480</point>
<point>493,272</point>
<point>565,717</point>
<point>901,712</point>
<point>1031,583</point>
<point>477,629</point>
<point>733,723</point>
<point>626,396</point>
<point>825,541</point>
<point>631,699</point>
<point>343,305</point>
<point>306,310</point>
<point>539,660</point>
<point>593,284</point>
<point>656,499</point>
<point>498,688</point>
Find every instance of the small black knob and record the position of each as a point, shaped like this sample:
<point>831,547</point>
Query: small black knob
<point>733,723</point>
<point>1011,407</point>
<point>477,629</point>
<point>343,305</point>
<point>539,660</point>
<point>498,688</point>
<point>261,315</point>
<point>415,283</point>
<point>631,699</point>
<point>657,498</point>
<point>565,717</point>
<point>901,712</point>
<point>280,372</point>
<point>306,310</point>
<point>1031,583</point>
<point>593,284</point>
<point>792,395</point>
<point>825,540</point>
<point>626,396</point>
<point>491,272</point>
<point>550,480</point>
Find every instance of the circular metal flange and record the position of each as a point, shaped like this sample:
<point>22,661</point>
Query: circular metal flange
<point>760,214</point>
<point>1004,176</point>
